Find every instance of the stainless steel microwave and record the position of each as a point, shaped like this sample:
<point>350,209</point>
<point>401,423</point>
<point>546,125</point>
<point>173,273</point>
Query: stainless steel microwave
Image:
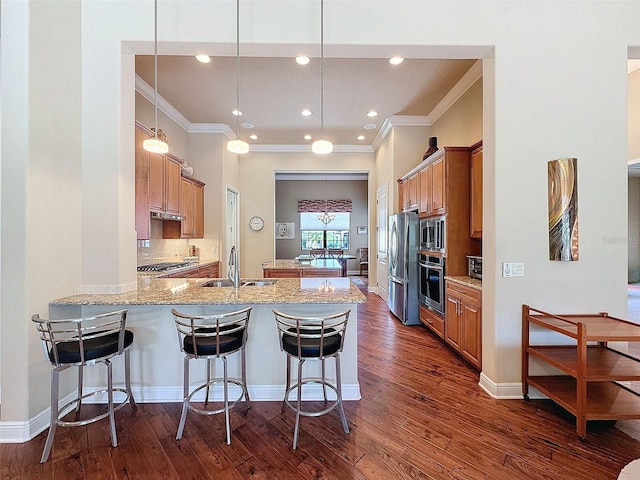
<point>433,234</point>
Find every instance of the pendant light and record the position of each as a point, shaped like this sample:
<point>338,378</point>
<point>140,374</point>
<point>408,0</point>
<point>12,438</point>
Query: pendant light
<point>322,146</point>
<point>237,146</point>
<point>325,218</point>
<point>157,143</point>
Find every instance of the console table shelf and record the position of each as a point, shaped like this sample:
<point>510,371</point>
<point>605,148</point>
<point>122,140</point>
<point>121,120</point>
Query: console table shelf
<point>588,389</point>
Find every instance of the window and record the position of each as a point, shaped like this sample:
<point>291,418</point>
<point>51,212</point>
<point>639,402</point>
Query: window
<point>315,234</point>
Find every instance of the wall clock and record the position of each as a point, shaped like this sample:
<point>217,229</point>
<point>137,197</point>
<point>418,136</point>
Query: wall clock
<point>256,223</point>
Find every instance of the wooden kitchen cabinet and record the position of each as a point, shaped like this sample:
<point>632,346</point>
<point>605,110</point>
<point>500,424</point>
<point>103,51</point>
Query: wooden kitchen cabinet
<point>432,321</point>
<point>475,196</point>
<point>282,272</point>
<point>164,184</point>
<point>403,198</point>
<point>463,321</point>
<point>433,186</point>
<point>589,369</point>
<point>408,193</point>
<point>210,270</point>
<point>192,208</point>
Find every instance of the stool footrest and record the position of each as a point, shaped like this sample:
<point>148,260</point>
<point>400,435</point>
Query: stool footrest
<point>86,421</point>
<point>232,403</point>
<point>309,413</point>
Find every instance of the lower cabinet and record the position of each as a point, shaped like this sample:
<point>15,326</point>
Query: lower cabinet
<point>432,321</point>
<point>282,272</point>
<point>463,325</point>
<point>210,270</point>
<point>301,272</point>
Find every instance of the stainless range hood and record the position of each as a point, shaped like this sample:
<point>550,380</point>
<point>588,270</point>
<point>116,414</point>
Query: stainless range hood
<point>167,216</point>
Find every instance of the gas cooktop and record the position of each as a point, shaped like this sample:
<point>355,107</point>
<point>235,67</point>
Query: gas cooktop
<point>161,267</point>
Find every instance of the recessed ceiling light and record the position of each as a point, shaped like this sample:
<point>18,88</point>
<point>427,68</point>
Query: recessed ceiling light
<point>369,126</point>
<point>237,113</point>
<point>246,124</point>
<point>360,137</point>
<point>308,137</point>
<point>396,60</point>
<point>203,58</point>
<point>253,137</point>
<point>302,60</point>
<point>372,113</point>
<point>306,112</point>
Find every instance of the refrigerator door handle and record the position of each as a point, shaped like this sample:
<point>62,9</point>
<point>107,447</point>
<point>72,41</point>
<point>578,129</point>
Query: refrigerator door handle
<point>394,280</point>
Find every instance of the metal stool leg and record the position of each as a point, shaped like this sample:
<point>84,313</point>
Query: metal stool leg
<point>287,383</point>
<point>225,385</point>
<point>206,392</point>
<point>112,417</point>
<point>127,379</point>
<point>244,377</point>
<point>339,392</point>
<point>297,427</point>
<point>80,384</point>
<point>53,423</point>
<point>324,385</point>
<point>185,398</point>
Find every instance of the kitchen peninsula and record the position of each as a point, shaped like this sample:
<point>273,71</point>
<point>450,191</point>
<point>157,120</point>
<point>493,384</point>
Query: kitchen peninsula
<point>156,360</point>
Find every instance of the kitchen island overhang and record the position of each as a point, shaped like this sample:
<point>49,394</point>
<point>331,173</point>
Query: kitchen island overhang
<point>156,359</point>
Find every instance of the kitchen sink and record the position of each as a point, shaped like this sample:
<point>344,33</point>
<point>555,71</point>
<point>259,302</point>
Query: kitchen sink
<point>218,283</point>
<point>244,283</point>
<point>258,283</point>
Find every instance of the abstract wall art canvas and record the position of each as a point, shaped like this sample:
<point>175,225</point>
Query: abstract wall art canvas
<point>563,209</point>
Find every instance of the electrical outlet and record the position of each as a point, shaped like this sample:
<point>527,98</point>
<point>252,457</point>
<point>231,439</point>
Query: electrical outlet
<point>512,269</point>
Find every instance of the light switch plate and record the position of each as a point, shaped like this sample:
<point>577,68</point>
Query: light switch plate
<point>512,269</point>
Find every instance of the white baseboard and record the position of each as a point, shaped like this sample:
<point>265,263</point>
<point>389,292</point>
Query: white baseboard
<point>23,431</point>
<point>507,391</point>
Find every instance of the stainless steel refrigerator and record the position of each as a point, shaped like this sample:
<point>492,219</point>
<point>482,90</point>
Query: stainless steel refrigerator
<point>404,239</point>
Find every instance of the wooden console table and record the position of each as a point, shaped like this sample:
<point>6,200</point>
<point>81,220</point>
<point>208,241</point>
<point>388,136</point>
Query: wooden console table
<point>588,387</point>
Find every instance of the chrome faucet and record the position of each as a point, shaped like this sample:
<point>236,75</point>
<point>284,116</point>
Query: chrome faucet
<point>234,267</point>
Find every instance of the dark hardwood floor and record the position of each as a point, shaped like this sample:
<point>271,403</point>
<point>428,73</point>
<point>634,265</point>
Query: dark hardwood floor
<point>422,416</point>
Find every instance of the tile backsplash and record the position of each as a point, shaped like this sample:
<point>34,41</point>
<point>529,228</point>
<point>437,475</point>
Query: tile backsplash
<point>158,249</point>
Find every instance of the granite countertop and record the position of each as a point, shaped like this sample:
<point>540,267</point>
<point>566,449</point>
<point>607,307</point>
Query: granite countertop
<point>465,280</point>
<point>295,264</point>
<point>186,291</point>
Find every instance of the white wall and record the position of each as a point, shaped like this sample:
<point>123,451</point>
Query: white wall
<point>544,98</point>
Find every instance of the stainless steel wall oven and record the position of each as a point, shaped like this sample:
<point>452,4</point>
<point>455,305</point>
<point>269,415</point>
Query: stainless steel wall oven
<point>431,274</point>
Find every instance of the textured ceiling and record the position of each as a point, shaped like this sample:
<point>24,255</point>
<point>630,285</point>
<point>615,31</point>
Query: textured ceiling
<point>273,92</point>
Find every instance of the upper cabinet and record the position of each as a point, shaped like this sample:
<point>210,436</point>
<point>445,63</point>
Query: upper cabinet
<point>192,209</point>
<point>160,188</point>
<point>431,186</point>
<point>408,193</point>
<point>164,184</point>
<point>476,191</point>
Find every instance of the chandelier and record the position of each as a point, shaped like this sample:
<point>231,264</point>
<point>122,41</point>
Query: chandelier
<point>325,217</point>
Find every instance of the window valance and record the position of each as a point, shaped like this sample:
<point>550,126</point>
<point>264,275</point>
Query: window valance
<point>311,206</point>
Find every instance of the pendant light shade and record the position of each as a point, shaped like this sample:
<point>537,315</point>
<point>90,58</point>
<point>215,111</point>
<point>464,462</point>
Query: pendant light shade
<point>322,146</point>
<point>237,146</point>
<point>155,144</point>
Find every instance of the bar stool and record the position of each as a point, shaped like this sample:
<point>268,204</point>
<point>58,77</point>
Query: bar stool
<point>312,338</point>
<point>210,337</point>
<point>78,343</point>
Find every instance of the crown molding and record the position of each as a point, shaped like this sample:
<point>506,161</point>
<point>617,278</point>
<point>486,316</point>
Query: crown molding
<point>275,148</point>
<point>144,89</point>
<point>219,128</point>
